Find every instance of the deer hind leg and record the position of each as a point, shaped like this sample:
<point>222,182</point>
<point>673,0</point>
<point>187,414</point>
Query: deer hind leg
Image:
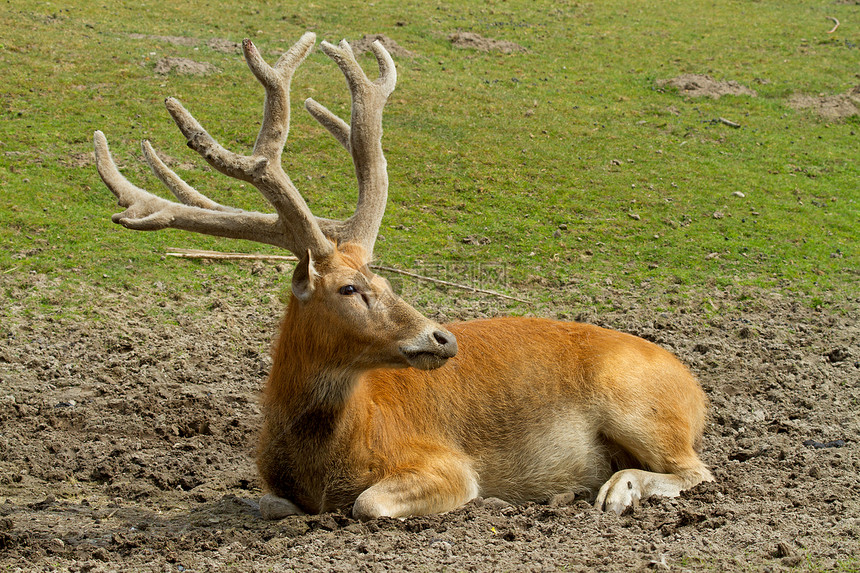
<point>432,483</point>
<point>627,487</point>
<point>663,442</point>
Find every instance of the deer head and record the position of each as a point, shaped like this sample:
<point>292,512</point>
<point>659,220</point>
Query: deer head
<point>342,313</point>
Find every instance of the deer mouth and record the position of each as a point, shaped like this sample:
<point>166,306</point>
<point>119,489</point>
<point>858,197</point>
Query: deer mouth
<point>424,360</point>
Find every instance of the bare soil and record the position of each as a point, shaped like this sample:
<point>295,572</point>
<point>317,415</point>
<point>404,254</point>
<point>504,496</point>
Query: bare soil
<point>830,107</point>
<point>700,85</point>
<point>184,67</point>
<point>363,45</point>
<point>128,426</point>
<point>216,44</point>
<point>474,41</point>
<point>175,40</point>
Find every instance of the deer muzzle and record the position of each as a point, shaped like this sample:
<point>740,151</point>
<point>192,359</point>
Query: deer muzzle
<point>430,349</point>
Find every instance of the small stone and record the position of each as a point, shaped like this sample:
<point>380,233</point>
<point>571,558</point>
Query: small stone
<point>562,499</point>
<point>273,507</point>
<point>495,503</point>
<point>738,194</point>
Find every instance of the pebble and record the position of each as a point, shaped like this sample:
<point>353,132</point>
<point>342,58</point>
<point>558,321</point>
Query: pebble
<point>562,499</point>
<point>820,445</point>
<point>273,507</point>
<point>495,503</point>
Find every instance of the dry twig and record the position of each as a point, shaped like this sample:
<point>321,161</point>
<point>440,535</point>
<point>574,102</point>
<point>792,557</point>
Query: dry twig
<point>446,283</point>
<point>217,255</point>
<point>729,122</point>
<point>836,22</point>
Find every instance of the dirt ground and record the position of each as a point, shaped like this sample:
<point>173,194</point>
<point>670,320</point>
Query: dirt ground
<point>829,107</point>
<point>473,41</point>
<point>700,85</point>
<point>127,436</point>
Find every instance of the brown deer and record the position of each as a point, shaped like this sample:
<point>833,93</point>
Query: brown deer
<point>372,406</point>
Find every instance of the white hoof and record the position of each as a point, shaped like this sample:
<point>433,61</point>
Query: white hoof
<point>619,493</point>
<point>627,487</point>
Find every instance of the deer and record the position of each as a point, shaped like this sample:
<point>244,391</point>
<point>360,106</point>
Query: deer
<point>373,408</point>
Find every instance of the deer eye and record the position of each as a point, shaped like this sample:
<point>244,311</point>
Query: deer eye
<point>348,290</point>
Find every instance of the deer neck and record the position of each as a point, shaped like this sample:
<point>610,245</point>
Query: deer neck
<point>310,375</point>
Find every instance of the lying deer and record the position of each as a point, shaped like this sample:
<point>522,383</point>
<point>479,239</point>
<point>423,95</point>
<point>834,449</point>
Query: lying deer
<point>371,405</point>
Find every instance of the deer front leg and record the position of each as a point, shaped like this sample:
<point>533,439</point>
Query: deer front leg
<point>435,485</point>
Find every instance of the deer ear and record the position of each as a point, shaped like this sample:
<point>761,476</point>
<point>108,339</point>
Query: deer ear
<point>303,278</point>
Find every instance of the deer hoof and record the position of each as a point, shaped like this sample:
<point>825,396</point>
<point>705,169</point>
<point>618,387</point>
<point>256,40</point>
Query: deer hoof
<point>622,491</point>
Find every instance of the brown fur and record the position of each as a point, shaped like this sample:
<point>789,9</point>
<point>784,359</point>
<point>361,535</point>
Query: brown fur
<point>528,408</point>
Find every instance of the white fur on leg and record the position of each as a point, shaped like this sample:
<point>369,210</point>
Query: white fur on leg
<point>402,496</point>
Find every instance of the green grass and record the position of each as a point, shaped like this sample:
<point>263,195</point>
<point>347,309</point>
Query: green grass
<point>508,147</point>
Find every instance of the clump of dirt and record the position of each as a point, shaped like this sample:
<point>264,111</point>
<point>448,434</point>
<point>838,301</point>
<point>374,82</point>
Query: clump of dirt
<point>473,41</point>
<point>363,45</point>
<point>700,85</point>
<point>175,40</point>
<point>82,159</point>
<point>216,44</point>
<point>833,107</point>
<point>225,46</point>
<point>184,67</point>
<point>127,432</point>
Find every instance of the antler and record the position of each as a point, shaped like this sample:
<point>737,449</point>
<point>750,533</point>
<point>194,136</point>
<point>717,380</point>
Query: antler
<point>293,227</point>
<point>362,139</point>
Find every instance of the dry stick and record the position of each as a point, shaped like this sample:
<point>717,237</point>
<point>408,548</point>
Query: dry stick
<point>729,122</point>
<point>446,283</point>
<point>835,21</point>
<point>196,254</point>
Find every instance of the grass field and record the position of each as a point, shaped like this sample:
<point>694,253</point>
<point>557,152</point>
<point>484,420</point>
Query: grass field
<point>725,230</point>
<point>564,162</point>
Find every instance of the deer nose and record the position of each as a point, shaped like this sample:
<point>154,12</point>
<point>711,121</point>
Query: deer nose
<point>446,341</point>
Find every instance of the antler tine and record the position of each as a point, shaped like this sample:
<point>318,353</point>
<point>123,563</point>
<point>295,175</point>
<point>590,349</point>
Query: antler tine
<point>180,189</point>
<point>229,163</point>
<point>147,212</point>
<point>276,112</point>
<point>362,138</point>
